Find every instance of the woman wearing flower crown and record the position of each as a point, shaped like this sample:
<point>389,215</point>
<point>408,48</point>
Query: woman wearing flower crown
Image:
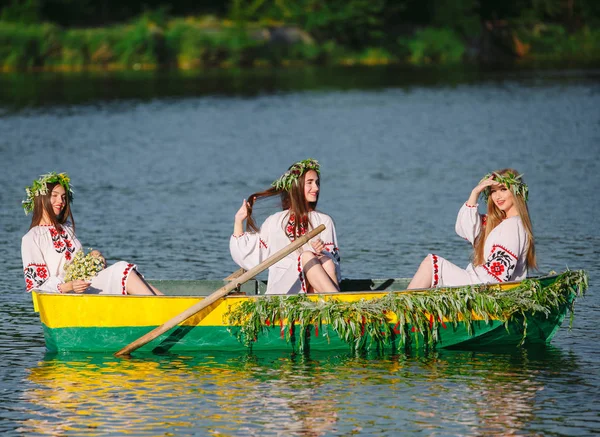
<point>503,243</point>
<point>51,245</point>
<point>313,268</point>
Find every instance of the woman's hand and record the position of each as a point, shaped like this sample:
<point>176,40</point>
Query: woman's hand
<point>97,254</point>
<point>79,285</point>
<point>318,245</point>
<point>483,185</point>
<point>242,213</point>
<point>240,216</point>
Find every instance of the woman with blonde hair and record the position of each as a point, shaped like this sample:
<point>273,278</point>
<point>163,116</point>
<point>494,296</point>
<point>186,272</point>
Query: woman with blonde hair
<point>503,243</point>
<point>313,268</point>
<point>50,246</point>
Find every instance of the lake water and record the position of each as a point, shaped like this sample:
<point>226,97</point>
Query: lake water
<point>160,163</point>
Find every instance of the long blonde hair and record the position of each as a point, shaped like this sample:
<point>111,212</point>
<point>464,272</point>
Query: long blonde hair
<point>495,216</point>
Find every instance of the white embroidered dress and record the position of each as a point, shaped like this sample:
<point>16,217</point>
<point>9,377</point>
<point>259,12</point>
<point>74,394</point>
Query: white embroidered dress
<point>505,252</point>
<point>46,251</point>
<point>286,276</point>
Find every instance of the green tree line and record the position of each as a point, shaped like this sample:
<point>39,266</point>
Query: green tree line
<point>187,34</point>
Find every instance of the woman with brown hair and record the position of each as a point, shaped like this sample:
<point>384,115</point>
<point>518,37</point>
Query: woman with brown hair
<point>503,243</point>
<point>50,246</point>
<point>313,268</point>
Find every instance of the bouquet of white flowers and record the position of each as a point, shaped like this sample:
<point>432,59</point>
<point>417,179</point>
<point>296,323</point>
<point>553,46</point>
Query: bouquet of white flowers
<point>84,266</point>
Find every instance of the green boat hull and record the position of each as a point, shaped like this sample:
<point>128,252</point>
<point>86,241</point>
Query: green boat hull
<point>540,330</point>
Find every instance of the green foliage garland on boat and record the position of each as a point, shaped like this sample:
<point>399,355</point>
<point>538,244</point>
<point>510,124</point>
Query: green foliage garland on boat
<point>369,323</point>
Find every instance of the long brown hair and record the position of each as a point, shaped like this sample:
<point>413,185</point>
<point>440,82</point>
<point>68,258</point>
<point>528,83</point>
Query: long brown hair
<point>495,217</point>
<point>292,199</point>
<point>42,203</point>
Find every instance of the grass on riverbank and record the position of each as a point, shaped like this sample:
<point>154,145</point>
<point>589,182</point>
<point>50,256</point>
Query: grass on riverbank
<point>207,42</point>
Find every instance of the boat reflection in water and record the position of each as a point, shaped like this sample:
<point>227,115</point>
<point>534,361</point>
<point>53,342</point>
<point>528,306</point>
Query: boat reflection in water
<point>232,395</point>
<point>278,394</point>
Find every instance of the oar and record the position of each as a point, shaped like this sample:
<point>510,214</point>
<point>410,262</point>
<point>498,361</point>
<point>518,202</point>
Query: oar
<point>239,272</point>
<point>221,292</point>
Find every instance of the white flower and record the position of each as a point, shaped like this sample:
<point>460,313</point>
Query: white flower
<point>83,266</point>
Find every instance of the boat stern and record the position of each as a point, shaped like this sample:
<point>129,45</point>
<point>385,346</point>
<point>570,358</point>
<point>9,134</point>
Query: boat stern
<point>34,298</point>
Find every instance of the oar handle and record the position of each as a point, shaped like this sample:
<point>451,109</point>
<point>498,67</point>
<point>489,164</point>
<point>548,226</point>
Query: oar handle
<point>221,292</point>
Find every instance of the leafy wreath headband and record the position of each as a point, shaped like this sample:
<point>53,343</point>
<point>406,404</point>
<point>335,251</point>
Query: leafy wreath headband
<point>511,181</point>
<point>291,176</point>
<point>40,187</point>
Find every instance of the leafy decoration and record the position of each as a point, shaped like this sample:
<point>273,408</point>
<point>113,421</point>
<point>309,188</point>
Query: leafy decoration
<point>40,187</point>
<point>374,323</point>
<point>513,182</point>
<point>287,179</point>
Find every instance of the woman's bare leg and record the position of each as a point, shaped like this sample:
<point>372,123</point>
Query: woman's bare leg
<point>137,285</point>
<point>422,279</point>
<point>329,268</point>
<point>316,275</point>
<point>154,289</point>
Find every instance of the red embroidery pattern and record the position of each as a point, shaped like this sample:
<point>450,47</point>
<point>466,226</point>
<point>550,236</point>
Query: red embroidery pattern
<point>262,243</point>
<point>291,227</point>
<point>501,263</point>
<point>125,275</point>
<point>436,278</point>
<point>470,206</point>
<point>335,252</point>
<point>62,242</point>
<point>497,268</point>
<point>301,274</point>
<point>35,275</point>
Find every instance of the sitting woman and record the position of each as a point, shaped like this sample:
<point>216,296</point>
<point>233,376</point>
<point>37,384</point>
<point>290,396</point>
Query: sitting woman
<point>51,244</point>
<point>313,268</point>
<point>503,244</point>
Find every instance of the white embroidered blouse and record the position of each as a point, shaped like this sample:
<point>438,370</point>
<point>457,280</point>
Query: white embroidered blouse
<point>505,248</point>
<point>286,276</point>
<point>45,251</point>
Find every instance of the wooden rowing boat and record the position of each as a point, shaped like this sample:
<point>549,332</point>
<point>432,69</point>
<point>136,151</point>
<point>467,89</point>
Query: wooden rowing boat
<point>352,318</point>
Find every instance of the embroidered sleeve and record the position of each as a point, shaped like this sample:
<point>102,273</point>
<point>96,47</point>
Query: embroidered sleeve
<point>250,249</point>
<point>508,243</point>
<point>35,269</point>
<point>469,223</point>
<point>35,275</point>
<point>501,263</point>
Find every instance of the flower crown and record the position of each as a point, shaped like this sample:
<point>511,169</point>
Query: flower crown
<point>40,187</point>
<point>510,180</point>
<point>287,179</point>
